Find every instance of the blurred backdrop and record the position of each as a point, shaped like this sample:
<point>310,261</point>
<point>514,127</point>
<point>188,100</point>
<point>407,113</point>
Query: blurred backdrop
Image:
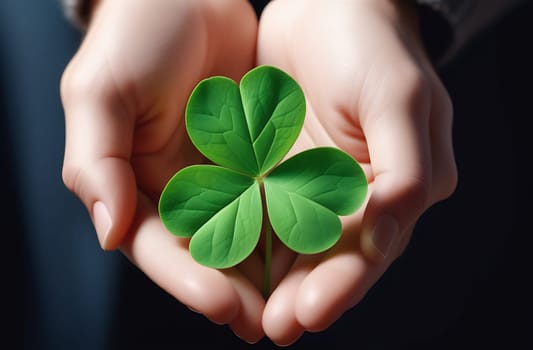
<point>461,283</point>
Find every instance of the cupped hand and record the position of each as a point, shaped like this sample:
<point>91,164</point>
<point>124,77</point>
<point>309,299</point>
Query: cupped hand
<point>372,92</point>
<point>124,94</point>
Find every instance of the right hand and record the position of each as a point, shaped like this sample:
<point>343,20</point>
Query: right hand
<point>124,95</point>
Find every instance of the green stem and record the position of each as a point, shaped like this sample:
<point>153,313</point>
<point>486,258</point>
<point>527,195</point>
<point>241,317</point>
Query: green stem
<point>267,232</point>
<point>268,258</point>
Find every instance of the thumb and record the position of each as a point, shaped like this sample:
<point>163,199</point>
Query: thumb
<point>400,155</point>
<point>96,166</point>
<point>394,206</point>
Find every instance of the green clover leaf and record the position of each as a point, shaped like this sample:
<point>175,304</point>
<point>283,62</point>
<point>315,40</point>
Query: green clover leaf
<point>306,193</point>
<point>219,208</point>
<point>247,130</point>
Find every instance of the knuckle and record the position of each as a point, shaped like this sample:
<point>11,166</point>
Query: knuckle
<point>413,80</point>
<point>417,85</point>
<point>443,100</point>
<point>446,101</point>
<point>448,183</point>
<point>65,83</point>
<point>80,84</point>
<point>73,83</point>
<point>416,193</point>
<point>71,177</point>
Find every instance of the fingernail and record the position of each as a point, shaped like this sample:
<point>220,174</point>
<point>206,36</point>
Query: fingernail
<point>251,342</point>
<point>384,234</point>
<point>102,222</point>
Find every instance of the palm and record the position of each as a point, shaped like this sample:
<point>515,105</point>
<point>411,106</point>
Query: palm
<point>153,74</point>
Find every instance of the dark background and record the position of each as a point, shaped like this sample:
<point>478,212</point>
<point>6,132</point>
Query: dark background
<point>461,283</point>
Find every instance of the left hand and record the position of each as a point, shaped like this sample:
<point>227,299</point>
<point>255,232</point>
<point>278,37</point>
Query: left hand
<point>371,91</point>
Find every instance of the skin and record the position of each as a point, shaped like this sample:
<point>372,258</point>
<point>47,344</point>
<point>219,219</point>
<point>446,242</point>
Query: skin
<point>370,90</point>
<point>124,95</point>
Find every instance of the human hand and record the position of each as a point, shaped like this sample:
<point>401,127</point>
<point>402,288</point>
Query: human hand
<point>124,95</point>
<point>372,92</point>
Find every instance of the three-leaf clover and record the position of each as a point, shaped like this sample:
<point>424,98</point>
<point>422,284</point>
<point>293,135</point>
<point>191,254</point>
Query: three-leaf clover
<point>247,130</point>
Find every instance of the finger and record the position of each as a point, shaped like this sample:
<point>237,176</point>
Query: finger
<point>247,323</point>
<point>339,281</point>
<point>165,259</point>
<point>283,259</point>
<point>444,167</point>
<point>96,164</point>
<point>400,154</point>
<point>279,318</point>
<point>327,290</point>
<point>334,286</point>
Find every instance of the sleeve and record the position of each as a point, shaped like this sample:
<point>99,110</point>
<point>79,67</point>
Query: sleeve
<point>76,11</point>
<point>447,26</point>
